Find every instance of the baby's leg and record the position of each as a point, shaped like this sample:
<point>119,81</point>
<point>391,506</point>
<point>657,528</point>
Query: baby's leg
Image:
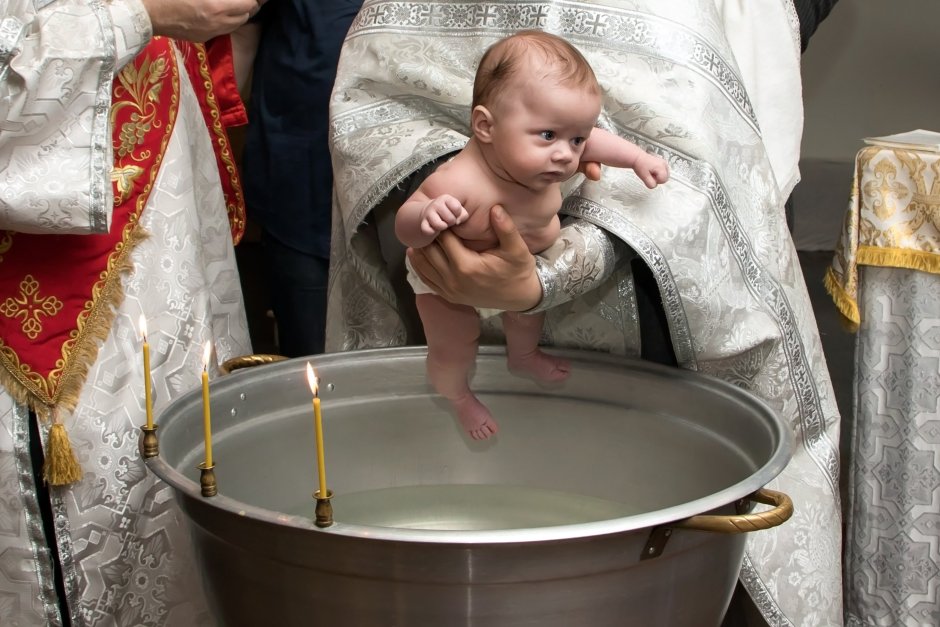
<point>452,332</point>
<point>522,348</point>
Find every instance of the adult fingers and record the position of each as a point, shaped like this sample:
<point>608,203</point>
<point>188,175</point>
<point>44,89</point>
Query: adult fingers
<point>426,263</point>
<point>591,170</point>
<point>451,251</point>
<point>236,8</point>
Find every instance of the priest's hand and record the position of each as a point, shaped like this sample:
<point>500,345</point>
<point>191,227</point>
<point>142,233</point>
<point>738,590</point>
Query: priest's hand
<point>500,278</point>
<point>199,21</point>
<point>590,169</point>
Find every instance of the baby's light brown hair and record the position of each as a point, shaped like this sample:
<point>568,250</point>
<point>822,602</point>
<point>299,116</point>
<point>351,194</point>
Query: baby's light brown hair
<point>503,61</point>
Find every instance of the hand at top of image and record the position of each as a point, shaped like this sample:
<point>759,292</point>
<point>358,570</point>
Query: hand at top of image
<point>199,21</point>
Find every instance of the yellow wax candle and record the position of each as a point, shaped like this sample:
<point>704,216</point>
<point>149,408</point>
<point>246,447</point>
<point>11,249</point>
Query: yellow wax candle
<point>148,399</point>
<point>206,417</point>
<point>318,428</point>
<point>321,464</point>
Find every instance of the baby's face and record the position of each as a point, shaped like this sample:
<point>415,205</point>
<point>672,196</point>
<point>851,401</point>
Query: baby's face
<point>539,131</point>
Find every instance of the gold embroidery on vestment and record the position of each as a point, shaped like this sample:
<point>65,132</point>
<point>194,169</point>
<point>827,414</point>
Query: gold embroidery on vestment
<point>141,88</point>
<point>124,178</point>
<point>29,307</point>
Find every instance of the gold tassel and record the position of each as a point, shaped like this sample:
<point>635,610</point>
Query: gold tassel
<point>61,466</point>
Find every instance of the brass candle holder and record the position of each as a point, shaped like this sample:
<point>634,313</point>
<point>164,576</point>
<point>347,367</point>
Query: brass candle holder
<point>207,482</point>
<point>324,509</point>
<point>151,444</point>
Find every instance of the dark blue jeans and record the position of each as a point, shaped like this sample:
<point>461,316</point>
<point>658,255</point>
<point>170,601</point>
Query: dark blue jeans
<point>297,285</point>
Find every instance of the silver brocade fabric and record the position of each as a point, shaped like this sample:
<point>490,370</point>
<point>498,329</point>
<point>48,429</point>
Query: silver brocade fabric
<point>55,81</point>
<point>892,546</point>
<point>715,235</point>
<point>125,546</point>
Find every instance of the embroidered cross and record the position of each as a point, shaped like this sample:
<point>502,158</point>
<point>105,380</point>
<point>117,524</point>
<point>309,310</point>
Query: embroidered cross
<point>29,307</point>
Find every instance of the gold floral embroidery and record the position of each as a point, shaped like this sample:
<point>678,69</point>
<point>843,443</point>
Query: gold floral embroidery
<point>123,178</point>
<point>138,87</point>
<point>884,189</point>
<point>29,307</point>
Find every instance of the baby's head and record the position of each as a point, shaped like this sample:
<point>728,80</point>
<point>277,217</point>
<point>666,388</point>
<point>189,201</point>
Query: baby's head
<point>526,56</point>
<point>535,104</point>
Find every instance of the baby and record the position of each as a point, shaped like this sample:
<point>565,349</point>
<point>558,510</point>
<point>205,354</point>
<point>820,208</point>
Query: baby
<point>535,105</point>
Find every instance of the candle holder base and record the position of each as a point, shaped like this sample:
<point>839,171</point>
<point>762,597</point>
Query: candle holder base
<point>324,509</point>
<point>151,446</point>
<point>207,482</point>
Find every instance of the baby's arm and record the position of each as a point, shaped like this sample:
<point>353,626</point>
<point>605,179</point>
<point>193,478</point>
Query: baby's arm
<point>425,214</point>
<point>613,150</point>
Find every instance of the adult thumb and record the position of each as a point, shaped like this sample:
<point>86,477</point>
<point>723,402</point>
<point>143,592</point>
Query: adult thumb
<point>505,229</point>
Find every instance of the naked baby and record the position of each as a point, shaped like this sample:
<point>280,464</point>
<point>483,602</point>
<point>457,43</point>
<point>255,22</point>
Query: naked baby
<point>536,102</point>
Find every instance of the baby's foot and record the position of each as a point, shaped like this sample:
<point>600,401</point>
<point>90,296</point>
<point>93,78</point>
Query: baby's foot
<point>475,418</point>
<point>541,366</point>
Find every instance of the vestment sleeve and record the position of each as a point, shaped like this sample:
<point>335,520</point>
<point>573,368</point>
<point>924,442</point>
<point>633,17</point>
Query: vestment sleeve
<point>57,63</point>
<point>582,258</point>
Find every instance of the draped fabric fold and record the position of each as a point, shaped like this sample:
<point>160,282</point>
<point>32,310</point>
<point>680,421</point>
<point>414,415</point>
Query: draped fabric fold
<point>714,235</point>
<point>123,546</point>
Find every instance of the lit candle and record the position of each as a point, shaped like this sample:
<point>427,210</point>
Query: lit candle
<point>148,402</point>
<point>318,428</point>
<point>206,419</point>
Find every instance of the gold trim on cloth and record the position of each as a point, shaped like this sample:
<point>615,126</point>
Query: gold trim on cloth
<point>197,64</point>
<point>893,220</point>
<point>51,322</point>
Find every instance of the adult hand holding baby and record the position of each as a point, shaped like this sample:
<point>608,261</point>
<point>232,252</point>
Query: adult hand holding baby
<point>500,278</point>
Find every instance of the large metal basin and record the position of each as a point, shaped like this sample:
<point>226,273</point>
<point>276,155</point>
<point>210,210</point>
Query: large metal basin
<point>572,516</point>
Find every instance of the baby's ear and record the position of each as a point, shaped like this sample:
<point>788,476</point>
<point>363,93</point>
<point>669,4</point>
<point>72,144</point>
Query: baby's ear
<point>481,122</point>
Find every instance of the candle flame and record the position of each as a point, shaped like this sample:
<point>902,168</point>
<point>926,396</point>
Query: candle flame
<point>312,380</point>
<point>143,327</point>
<point>206,354</point>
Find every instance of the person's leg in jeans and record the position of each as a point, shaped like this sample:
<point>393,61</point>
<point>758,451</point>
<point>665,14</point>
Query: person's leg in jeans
<point>297,283</point>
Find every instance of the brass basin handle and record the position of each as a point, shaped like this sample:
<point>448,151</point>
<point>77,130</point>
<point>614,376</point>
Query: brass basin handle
<point>744,523</point>
<point>248,361</point>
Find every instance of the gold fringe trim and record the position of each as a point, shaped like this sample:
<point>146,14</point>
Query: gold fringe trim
<point>21,394</point>
<point>92,331</point>
<point>898,258</point>
<point>61,467</point>
<point>95,328</point>
<point>844,303</point>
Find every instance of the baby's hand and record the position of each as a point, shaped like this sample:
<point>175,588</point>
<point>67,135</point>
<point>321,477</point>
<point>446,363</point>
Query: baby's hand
<point>441,213</point>
<point>652,170</point>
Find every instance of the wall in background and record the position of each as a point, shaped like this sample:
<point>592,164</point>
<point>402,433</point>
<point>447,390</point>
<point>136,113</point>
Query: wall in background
<point>872,68</point>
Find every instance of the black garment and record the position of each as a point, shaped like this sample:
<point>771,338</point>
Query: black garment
<point>287,172</point>
<point>811,13</point>
<point>297,283</point>
<point>37,457</point>
<point>286,167</point>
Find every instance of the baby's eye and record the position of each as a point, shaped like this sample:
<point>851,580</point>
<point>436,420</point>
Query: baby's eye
<point>577,141</point>
<point>548,135</point>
